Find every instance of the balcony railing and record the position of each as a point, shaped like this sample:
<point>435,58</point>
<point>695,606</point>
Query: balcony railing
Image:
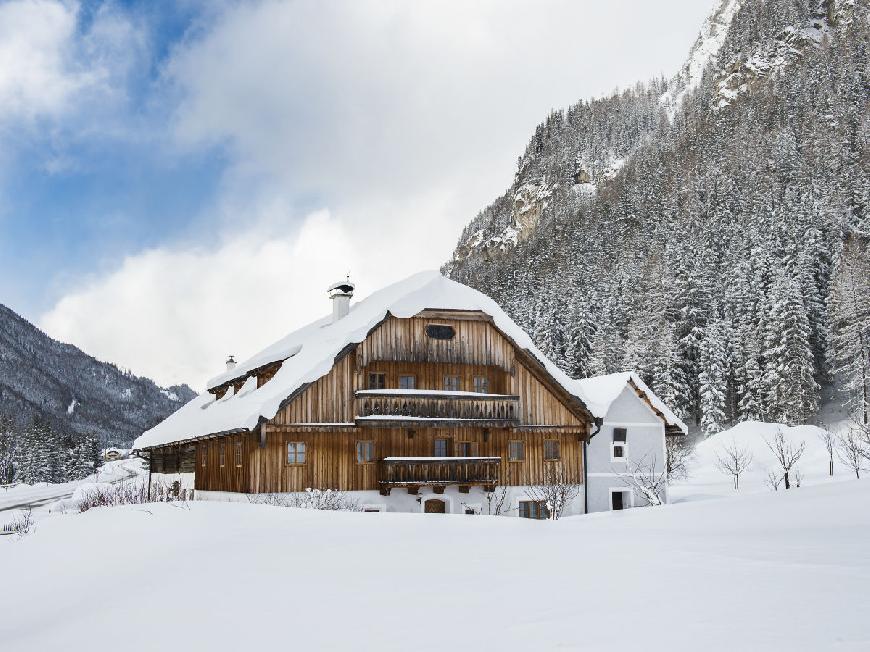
<point>439,472</point>
<point>392,407</point>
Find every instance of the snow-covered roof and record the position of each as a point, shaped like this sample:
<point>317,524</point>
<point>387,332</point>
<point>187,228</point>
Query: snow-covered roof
<point>309,353</point>
<point>600,392</point>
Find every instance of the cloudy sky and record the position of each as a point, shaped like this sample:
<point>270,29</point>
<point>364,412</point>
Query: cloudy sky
<point>183,180</point>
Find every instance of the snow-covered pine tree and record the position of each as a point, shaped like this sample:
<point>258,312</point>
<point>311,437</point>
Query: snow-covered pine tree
<point>850,327</point>
<point>792,392</point>
<point>713,383</point>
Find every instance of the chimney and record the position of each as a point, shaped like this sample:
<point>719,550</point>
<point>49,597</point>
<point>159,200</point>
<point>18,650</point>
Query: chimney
<point>340,293</point>
<point>231,363</point>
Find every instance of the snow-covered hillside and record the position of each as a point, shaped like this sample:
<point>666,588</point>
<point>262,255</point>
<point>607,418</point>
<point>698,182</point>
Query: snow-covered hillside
<point>786,571</point>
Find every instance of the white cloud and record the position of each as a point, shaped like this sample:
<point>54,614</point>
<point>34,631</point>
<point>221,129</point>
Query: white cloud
<point>174,315</point>
<point>47,65</point>
<point>402,118</point>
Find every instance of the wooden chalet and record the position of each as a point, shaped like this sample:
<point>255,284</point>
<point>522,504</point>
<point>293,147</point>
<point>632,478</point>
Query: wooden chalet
<point>424,386</point>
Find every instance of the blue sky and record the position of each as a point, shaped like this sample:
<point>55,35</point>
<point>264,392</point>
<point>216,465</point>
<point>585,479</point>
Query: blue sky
<point>167,166</point>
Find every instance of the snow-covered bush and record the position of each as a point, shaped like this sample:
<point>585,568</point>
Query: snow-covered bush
<point>320,499</point>
<point>646,479</point>
<point>128,493</point>
<point>556,492</point>
<point>20,524</point>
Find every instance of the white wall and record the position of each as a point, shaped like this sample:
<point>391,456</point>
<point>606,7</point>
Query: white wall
<point>645,438</point>
<point>400,500</point>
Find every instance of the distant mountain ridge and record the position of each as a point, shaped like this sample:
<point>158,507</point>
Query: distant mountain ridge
<point>41,377</point>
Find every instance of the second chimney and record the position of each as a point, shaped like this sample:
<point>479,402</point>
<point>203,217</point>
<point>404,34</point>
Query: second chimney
<point>340,293</point>
<point>231,363</point>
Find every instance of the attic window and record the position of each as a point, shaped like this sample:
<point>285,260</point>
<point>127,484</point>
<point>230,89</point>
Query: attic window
<point>440,332</point>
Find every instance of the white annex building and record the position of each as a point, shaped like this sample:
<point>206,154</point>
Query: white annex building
<point>636,425</point>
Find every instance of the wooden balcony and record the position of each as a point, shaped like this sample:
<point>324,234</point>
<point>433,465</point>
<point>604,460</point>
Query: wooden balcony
<point>438,472</point>
<point>392,408</point>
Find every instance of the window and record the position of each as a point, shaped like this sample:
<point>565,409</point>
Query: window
<point>552,451</point>
<point>407,382</point>
<point>223,455</point>
<point>442,448</point>
<point>451,383</point>
<point>365,452</point>
<point>440,332</point>
<point>237,453</point>
<point>377,380</point>
<point>295,452</point>
<point>467,449</point>
<point>619,445</point>
<point>203,457</point>
<point>516,451</point>
<point>481,384</point>
<point>620,499</point>
<point>534,509</point>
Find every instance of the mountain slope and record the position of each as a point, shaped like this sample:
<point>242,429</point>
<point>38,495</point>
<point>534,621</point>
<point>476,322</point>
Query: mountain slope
<point>40,377</point>
<point>707,231</point>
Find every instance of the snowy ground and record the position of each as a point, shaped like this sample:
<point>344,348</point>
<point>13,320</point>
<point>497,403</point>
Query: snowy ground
<point>707,481</point>
<point>786,571</point>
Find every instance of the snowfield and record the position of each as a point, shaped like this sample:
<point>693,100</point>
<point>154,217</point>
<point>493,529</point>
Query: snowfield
<point>774,571</point>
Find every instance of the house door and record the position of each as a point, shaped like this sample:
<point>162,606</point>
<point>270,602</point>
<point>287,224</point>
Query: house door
<point>434,506</point>
<point>616,500</point>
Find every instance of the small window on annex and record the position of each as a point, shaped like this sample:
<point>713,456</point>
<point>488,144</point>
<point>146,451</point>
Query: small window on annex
<point>552,450</point>
<point>536,509</point>
<point>407,382</point>
<point>451,383</point>
<point>619,445</point>
<point>222,457</point>
<point>377,380</point>
<point>516,451</point>
<point>296,452</point>
<point>481,384</point>
<point>203,456</point>
<point>441,448</point>
<point>365,452</point>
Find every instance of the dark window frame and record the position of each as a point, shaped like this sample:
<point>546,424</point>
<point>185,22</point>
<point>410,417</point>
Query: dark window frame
<point>558,448</point>
<point>237,454</point>
<point>446,443</point>
<point>382,380</point>
<point>440,331</point>
<point>300,449</point>
<point>620,435</point>
<point>365,451</point>
<point>222,456</point>
<point>533,509</point>
<point>481,380</point>
<point>406,376</point>
<point>522,449</point>
<point>458,379</point>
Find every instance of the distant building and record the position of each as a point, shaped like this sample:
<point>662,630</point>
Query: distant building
<point>112,454</point>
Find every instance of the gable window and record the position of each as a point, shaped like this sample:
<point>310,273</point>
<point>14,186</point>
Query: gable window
<point>552,450</point>
<point>365,452</point>
<point>222,458</point>
<point>377,380</point>
<point>467,449</point>
<point>536,509</point>
<point>440,331</point>
<point>296,452</point>
<point>481,384</point>
<point>407,382</point>
<point>516,451</point>
<point>237,453</point>
<point>451,383</point>
<point>442,448</point>
<point>619,447</point>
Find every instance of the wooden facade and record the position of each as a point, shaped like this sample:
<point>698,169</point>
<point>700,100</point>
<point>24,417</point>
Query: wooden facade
<point>473,394</point>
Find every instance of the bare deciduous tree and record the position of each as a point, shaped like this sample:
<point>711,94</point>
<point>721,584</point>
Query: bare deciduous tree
<point>678,452</point>
<point>496,500</point>
<point>773,480</point>
<point>829,439</point>
<point>556,492</point>
<point>642,476</point>
<point>734,461</point>
<point>850,450</point>
<point>787,454</point>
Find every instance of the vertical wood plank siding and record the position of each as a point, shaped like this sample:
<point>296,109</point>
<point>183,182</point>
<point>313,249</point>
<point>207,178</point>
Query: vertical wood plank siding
<point>396,347</point>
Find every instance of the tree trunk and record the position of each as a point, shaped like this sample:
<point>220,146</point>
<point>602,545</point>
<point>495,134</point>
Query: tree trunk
<point>787,484</point>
